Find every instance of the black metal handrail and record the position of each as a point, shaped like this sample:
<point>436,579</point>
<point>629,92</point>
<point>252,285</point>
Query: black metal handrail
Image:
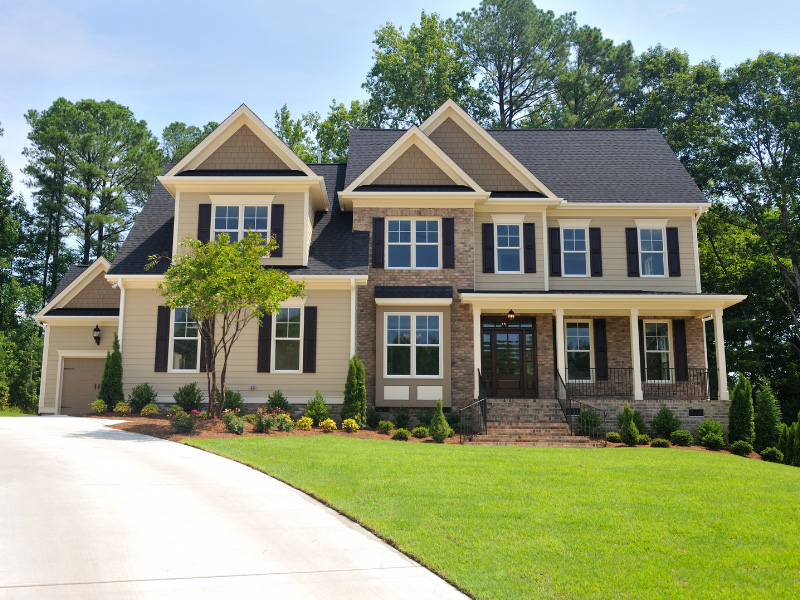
<point>581,418</point>
<point>694,383</point>
<point>613,381</point>
<point>472,418</point>
<point>618,381</point>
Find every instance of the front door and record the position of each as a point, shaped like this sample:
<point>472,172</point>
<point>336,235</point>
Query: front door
<point>508,358</point>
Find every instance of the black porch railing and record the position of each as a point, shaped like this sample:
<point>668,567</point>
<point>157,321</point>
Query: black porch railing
<point>472,418</point>
<point>667,383</point>
<point>618,382</point>
<point>582,418</point>
<point>588,382</point>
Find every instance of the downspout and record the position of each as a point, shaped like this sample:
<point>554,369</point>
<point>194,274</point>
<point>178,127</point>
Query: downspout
<point>696,249</point>
<point>43,380</point>
<point>121,311</point>
<point>352,316</point>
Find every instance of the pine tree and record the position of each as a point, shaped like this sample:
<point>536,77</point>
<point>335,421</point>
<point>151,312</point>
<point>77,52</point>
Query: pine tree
<point>111,383</point>
<point>767,421</point>
<point>791,434</point>
<point>740,413</point>
<point>351,407</point>
<point>628,432</point>
<point>783,439</point>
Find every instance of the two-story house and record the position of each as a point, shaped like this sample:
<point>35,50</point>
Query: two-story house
<point>451,259</point>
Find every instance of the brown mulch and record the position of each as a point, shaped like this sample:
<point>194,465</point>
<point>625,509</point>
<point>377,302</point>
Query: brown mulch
<point>214,428</point>
<point>753,455</point>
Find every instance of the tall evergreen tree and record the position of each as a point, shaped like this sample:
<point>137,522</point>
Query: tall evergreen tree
<point>767,421</point>
<point>740,412</point>
<point>111,383</point>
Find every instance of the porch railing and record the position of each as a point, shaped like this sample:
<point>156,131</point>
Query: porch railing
<point>618,382</point>
<point>588,382</point>
<point>472,418</point>
<point>667,384</point>
<point>582,418</point>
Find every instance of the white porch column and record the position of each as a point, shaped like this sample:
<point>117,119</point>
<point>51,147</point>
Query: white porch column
<point>719,346</point>
<point>638,394</point>
<point>561,350</point>
<point>476,341</point>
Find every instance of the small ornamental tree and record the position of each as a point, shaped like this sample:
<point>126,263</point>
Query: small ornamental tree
<point>666,422</point>
<point>440,430</point>
<point>628,432</point>
<point>111,383</point>
<point>767,421</point>
<point>225,287</point>
<point>351,407</point>
<point>740,413</point>
<point>361,389</point>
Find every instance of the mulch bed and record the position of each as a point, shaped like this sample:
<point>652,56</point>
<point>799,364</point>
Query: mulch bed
<point>753,455</point>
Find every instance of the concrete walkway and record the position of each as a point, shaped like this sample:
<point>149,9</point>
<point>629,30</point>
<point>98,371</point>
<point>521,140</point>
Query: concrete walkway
<point>90,512</point>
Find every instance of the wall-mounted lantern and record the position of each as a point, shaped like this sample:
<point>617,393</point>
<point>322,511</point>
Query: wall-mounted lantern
<point>96,334</point>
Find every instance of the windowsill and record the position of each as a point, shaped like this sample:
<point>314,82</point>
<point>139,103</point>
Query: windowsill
<point>287,372</point>
<point>583,275</point>
<point>654,276</point>
<point>413,269</point>
<point>183,371</point>
<point>509,272</point>
<point>426,377</point>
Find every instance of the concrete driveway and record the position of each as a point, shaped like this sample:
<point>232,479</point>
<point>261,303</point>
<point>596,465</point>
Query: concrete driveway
<point>90,512</point>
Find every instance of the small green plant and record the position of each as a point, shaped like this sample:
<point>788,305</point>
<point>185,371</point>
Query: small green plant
<point>420,432</point>
<point>772,455</point>
<point>373,417</point>
<point>349,425</point>
<point>283,421</point>
<point>200,414</point>
<point>328,425</point>
<point>400,434</point>
<point>453,419</point>
<point>122,408</point>
<point>249,419</point>
<point>277,400</point>
<point>628,432</point>
<point>741,448</point>
<point>709,425</point>
<point>385,426</point>
<point>767,421</point>
<point>98,407</point>
<point>140,396</point>
<point>613,437</point>
<point>111,382</point>
<point>589,421</point>
<point>638,420</point>
<point>233,422</point>
<point>183,422</point>
<point>740,412</point>
<point>681,437</point>
<point>173,410</point>
<point>713,441</point>
<point>425,416</point>
<point>643,439</point>
<point>659,443</point>
<point>233,400</point>
<point>439,428</point>
<point>305,423</point>
<point>264,421</point>
<point>402,416</point>
<point>317,409</point>
<point>189,397</point>
<point>665,422</point>
<point>150,410</point>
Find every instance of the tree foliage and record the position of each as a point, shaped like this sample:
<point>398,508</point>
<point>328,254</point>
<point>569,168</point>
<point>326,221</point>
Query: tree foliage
<point>767,421</point>
<point>178,139</point>
<point>111,383</point>
<point>295,134</point>
<point>333,133</point>
<point>740,412</point>
<point>355,393</point>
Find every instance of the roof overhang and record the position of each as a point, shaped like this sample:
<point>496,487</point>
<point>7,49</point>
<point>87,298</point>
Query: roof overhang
<point>77,321</point>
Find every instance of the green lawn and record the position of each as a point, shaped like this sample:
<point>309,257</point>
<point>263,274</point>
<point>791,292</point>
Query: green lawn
<point>8,413</point>
<point>558,522</point>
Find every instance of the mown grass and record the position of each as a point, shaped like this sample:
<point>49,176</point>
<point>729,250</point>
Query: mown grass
<point>558,522</point>
<point>10,413</point>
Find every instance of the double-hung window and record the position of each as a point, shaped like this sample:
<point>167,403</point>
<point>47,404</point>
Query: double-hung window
<point>579,350</point>
<point>657,351</point>
<point>412,243</point>
<point>185,341</point>
<point>508,248</point>
<point>652,252</point>
<point>288,334</point>
<point>574,254</point>
<point>413,346</point>
<point>239,220</point>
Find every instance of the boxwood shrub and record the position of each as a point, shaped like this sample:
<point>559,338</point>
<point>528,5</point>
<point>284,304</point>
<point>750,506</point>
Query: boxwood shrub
<point>713,441</point>
<point>643,439</point>
<point>659,443</point>
<point>385,426</point>
<point>420,432</point>
<point>741,448</point>
<point>400,434</point>
<point>613,436</point>
<point>681,437</point>
<point>772,454</point>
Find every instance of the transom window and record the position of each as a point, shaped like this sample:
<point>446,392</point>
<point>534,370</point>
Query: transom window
<point>185,341</point>
<point>651,252</point>
<point>508,248</point>
<point>413,347</point>
<point>412,243</point>
<point>237,221</point>
<point>288,333</point>
<point>657,351</point>
<point>574,252</point>
<point>579,350</point>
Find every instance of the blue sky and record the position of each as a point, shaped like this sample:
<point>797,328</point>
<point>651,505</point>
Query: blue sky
<point>197,61</point>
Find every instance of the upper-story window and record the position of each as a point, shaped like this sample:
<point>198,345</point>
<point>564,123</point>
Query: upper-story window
<point>238,220</point>
<point>652,252</point>
<point>508,248</point>
<point>412,243</point>
<point>185,341</point>
<point>574,252</point>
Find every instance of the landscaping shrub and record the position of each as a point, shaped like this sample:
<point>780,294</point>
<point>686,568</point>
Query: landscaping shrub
<point>791,456</point>
<point>328,425</point>
<point>233,400</point>
<point>453,418</point>
<point>140,396</point>
<point>264,421</point>
<point>283,421</point>
<point>111,382</point>
<point>629,433</point>
<point>643,439</point>
<point>400,434</point>
<point>249,419</point>
<point>589,421</point>
<point>772,455</point>
<point>189,397</point>
<point>233,422</point>
<point>173,410</point>
<point>349,425</point>
<point>659,443</point>
<point>305,423</point>
<point>317,409</point>
<point>439,428</point>
<point>99,407</point>
<point>681,437</point>
<point>420,432</point>
<point>613,436</point>
<point>402,416</point>
<point>385,426</point>
<point>425,416</point>
<point>713,441</point>
<point>783,441</point>
<point>709,425</point>
<point>638,420</point>
<point>122,408</point>
<point>740,412</point>
<point>373,418</point>
<point>200,414</point>
<point>767,422</point>
<point>665,423</point>
<point>741,448</point>
<point>277,400</point>
<point>150,410</point>
<point>355,393</point>
<point>183,422</point>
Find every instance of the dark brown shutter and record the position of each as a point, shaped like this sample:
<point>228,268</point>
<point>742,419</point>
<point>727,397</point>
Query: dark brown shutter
<point>264,344</point>
<point>600,350</point>
<point>162,339</point>
<point>488,247</point>
<point>276,229</point>
<point>679,341</point>
<point>595,252</point>
<point>204,223</point>
<point>673,252</point>
<point>632,243</point>
<point>641,350</point>
<point>448,243</point>
<point>377,242</point>
<point>529,241</point>
<point>554,235</point>
<point>204,360</point>
<point>310,339</point>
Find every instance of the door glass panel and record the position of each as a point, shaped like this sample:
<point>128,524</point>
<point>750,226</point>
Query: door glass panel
<point>508,358</point>
<point>529,354</point>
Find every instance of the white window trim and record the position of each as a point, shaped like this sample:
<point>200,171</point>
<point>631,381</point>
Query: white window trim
<point>241,202</point>
<point>519,250</point>
<point>413,345</point>
<point>172,346</point>
<point>669,352</point>
<point>591,350</point>
<point>652,224</point>
<point>413,243</point>
<point>274,339</point>
<point>585,229</point>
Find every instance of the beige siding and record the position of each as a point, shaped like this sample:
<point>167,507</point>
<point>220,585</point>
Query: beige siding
<point>333,347</point>
<point>533,282</point>
<point>243,150</point>
<point>413,167</point>
<point>295,221</point>
<point>98,293</point>
<point>470,156</point>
